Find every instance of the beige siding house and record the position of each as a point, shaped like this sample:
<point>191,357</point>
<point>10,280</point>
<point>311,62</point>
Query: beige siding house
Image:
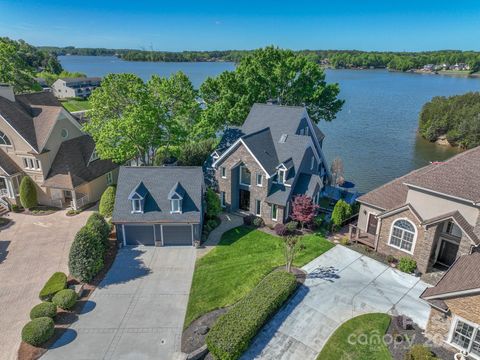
<point>40,139</point>
<point>75,87</point>
<point>431,214</point>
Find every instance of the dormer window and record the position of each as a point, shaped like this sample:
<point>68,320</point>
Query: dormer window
<point>176,195</point>
<point>176,206</point>
<point>136,206</point>
<point>282,174</point>
<point>137,197</point>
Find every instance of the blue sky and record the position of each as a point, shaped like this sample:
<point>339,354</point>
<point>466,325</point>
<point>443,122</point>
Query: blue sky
<point>207,25</point>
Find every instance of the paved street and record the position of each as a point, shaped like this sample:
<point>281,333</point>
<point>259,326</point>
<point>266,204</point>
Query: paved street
<point>137,312</point>
<point>341,284</point>
<point>32,248</point>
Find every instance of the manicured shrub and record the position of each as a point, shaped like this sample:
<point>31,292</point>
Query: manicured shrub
<point>28,193</point>
<point>280,230</point>
<point>38,331</point>
<point>248,220</point>
<point>57,282</point>
<point>419,352</point>
<point>97,223</point>
<point>44,309</point>
<point>341,212</point>
<point>107,201</point>
<point>230,336</point>
<point>407,265</point>
<point>65,299</point>
<point>214,207</point>
<point>291,226</point>
<point>258,222</point>
<point>317,221</point>
<point>86,255</point>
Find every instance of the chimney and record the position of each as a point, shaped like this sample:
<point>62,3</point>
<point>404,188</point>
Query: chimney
<point>6,91</point>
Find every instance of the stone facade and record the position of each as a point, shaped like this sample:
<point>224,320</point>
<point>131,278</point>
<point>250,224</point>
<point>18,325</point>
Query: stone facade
<point>438,326</point>
<point>230,184</point>
<point>467,307</point>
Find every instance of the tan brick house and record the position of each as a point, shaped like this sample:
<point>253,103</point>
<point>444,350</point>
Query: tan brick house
<point>455,307</point>
<point>42,140</point>
<point>276,155</point>
<point>431,214</point>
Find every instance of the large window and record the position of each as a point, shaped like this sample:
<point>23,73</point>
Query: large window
<point>31,163</point>
<point>274,212</point>
<point>452,229</point>
<point>258,207</point>
<point>466,336</point>
<point>402,235</point>
<point>4,140</point>
<point>245,176</point>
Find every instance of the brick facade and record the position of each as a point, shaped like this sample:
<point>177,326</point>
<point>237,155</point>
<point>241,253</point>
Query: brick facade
<point>438,326</point>
<point>231,184</point>
<point>467,307</point>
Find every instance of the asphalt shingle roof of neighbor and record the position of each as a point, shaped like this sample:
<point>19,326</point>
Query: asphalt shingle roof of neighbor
<point>463,275</point>
<point>159,181</point>
<point>71,166</point>
<point>32,116</point>
<point>8,165</point>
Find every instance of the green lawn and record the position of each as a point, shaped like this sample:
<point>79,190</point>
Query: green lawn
<point>374,326</point>
<point>76,105</point>
<point>243,257</point>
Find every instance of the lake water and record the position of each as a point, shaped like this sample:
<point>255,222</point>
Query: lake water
<point>376,132</point>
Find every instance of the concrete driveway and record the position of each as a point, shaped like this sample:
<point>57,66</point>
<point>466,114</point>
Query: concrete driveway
<point>137,312</point>
<point>32,248</point>
<point>341,284</point>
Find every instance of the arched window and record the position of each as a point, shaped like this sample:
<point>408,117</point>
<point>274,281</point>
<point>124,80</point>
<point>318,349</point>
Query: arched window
<point>403,235</point>
<point>4,140</point>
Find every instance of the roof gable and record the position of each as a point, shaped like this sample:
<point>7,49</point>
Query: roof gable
<point>140,192</point>
<point>177,192</point>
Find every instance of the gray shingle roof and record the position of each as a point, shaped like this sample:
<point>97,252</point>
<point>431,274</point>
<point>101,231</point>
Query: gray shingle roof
<point>261,145</point>
<point>9,166</point>
<point>463,275</point>
<point>159,181</point>
<point>307,183</point>
<point>71,166</point>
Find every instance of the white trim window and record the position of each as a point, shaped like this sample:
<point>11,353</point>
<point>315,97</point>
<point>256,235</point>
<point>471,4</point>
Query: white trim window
<point>452,229</point>
<point>259,179</point>
<point>402,235</point>
<point>4,140</point>
<point>312,163</point>
<point>245,176</point>
<point>222,198</point>
<point>31,163</point>
<point>466,336</point>
<point>274,212</point>
<point>282,174</point>
<point>258,207</point>
<point>136,206</point>
<point>109,177</point>
<point>176,206</point>
<point>223,172</point>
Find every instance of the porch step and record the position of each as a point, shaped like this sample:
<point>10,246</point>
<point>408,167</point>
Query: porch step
<point>3,210</point>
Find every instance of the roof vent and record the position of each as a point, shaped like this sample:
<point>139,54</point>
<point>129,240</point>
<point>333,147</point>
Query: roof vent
<point>283,138</point>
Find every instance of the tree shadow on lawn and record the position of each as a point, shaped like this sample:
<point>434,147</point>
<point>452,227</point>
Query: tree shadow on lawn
<point>233,235</point>
<point>269,330</point>
<point>128,265</point>
<point>327,273</point>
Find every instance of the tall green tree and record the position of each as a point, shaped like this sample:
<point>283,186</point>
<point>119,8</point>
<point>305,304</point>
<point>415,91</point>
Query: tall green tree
<point>268,74</point>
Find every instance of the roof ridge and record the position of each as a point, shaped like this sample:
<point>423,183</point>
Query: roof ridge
<point>255,132</point>
<point>281,105</point>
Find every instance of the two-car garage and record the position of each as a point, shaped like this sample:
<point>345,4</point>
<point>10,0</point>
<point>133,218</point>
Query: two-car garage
<point>157,234</point>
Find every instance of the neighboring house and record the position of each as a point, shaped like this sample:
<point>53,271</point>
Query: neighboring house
<point>431,214</point>
<point>455,307</point>
<point>159,205</point>
<point>276,155</point>
<point>75,87</point>
<point>42,140</point>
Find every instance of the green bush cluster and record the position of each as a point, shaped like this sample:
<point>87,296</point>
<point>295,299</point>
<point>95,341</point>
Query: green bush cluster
<point>98,224</point>
<point>88,250</point>
<point>407,265</point>
<point>28,193</point>
<point>419,352</point>
<point>38,331</point>
<point>44,309</point>
<point>107,201</point>
<point>230,336</point>
<point>214,207</point>
<point>57,282</point>
<point>65,299</point>
<point>341,212</point>
<point>258,222</point>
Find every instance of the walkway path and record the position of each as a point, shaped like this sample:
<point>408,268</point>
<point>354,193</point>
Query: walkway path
<point>229,221</point>
<point>340,285</point>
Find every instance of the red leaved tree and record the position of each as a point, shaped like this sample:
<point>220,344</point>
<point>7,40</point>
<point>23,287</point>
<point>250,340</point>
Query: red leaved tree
<point>303,209</point>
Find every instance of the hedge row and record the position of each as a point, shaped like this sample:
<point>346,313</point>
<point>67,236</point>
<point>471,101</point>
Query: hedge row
<point>107,201</point>
<point>231,334</point>
<point>57,282</point>
<point>38,331</point>
<point>89,248</point>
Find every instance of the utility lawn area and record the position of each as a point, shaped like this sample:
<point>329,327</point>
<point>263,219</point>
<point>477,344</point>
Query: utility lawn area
<point>73,105</point>
<point>365,333</point>
<point>242,258</point>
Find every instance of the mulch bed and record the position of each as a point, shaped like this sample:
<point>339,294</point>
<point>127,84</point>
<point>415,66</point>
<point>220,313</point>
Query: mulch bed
<point>403,339</point>
<point>41,210</point>
<point>193,337</point>
<point>64,319</point>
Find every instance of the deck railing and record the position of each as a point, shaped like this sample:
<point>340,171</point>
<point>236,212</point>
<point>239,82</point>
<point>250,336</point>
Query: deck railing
<point>359,236</point>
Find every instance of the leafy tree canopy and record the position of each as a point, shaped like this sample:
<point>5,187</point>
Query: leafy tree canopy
<point>267,74</point>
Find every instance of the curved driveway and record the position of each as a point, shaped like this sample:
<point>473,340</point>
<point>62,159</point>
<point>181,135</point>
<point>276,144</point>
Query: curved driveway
<point>341,284</point>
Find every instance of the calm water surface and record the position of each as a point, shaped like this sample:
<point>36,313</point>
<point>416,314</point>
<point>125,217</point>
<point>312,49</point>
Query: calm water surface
<point>376,132</point>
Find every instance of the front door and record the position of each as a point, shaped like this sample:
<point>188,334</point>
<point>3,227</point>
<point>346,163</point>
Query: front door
<point>67,195</point>
<point>244,200</point>
<point>447,252</point>
<point>372,224</point>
